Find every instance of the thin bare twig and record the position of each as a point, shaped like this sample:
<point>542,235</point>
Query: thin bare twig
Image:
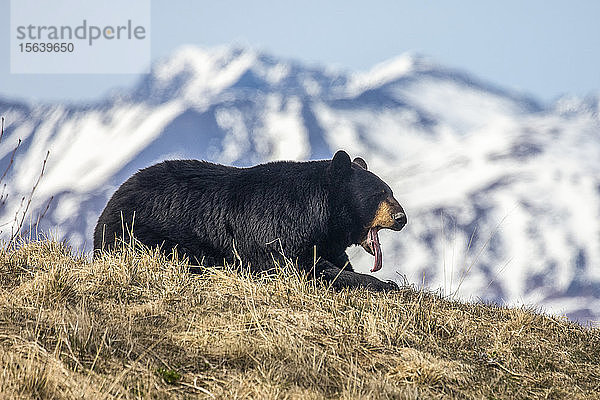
<point>17,229</point>
<point>12,159</point>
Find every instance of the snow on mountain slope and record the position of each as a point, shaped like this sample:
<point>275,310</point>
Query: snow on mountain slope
<point>502,194</point>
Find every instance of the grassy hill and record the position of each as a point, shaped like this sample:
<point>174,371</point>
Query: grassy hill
<point>136,326</point>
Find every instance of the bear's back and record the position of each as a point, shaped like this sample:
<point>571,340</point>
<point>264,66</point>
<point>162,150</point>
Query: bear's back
<point>182,197</point>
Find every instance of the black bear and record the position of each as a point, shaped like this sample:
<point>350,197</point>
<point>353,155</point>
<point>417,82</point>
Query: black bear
<point>310,212</point>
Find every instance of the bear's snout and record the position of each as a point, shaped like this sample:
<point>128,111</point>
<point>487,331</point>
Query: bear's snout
<point>389,215</point>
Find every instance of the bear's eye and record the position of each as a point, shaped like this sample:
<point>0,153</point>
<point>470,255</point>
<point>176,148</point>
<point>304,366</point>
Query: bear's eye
<point>378,195</point>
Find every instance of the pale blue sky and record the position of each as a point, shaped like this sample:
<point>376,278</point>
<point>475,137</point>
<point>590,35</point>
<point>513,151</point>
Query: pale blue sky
<point>541,47</point>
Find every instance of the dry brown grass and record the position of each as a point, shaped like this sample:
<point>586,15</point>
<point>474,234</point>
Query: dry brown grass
<point>136,325</point>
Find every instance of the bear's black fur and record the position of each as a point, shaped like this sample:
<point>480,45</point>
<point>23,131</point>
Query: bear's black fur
<point>214,213</point>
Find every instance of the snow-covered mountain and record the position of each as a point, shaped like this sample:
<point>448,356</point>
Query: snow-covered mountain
<point>502,193</point>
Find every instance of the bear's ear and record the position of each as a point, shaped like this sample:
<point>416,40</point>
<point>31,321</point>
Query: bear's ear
<point>340,165</point>
<point>360,162</point>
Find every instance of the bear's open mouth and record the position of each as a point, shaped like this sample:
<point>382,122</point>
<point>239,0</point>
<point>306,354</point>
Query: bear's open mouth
<point>371,245</point>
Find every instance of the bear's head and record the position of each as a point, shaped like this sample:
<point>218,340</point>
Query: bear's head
<point>369,203</point>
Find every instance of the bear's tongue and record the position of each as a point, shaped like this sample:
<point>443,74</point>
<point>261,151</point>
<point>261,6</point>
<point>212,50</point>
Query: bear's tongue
<point>374,239</point>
